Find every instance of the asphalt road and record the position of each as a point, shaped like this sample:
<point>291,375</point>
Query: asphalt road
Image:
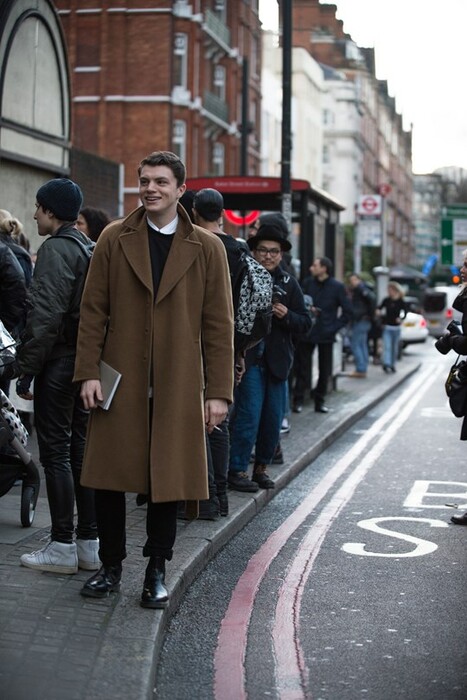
<point>351,582</point>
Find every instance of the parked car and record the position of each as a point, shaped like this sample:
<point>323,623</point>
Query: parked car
<point>437,308</point>
<point>414,329</point>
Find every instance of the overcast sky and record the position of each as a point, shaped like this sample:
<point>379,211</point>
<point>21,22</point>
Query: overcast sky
<point>420,49</point>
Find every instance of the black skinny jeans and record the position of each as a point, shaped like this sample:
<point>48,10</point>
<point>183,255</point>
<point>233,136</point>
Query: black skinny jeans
<point>61,422</point>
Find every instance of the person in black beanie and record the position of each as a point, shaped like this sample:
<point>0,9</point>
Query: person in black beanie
<point>47,355</point>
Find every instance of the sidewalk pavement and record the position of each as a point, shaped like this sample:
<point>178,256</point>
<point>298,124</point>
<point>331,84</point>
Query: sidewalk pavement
<point>55,644</point>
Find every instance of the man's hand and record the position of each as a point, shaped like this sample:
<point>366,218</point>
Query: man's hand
<point>215,411</point>
<point>279,310</point>
<point>91,393</point>
<point>22,386</point>
<point>239,368</point>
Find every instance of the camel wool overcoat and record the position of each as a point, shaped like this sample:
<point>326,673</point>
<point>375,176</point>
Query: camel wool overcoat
<point>180,345</point>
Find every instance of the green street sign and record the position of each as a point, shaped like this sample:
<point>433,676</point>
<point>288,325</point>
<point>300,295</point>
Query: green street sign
<point>453,233</point>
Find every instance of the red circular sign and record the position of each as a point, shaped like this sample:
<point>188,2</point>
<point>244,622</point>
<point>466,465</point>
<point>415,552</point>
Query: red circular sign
<point>369,204</point>
<point>234,218</point>
<point>384,189</point>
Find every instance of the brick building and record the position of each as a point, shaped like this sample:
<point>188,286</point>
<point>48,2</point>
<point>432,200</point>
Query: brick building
<point>381,148</point>
<point>151,74</point>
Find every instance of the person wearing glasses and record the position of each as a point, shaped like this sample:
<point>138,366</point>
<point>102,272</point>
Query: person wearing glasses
<point>260,396</point>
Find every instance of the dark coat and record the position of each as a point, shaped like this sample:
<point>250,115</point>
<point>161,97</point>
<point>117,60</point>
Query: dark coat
<point>129,448</point>
<point>459,342</point>
<point>335,310</point>
<point>277,349</point>
<point>21,254</point>
<point>363,303</point>
<point>12,292</point>
<point>392,311</point>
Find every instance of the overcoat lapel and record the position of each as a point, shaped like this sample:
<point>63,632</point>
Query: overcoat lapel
<point>135,247</point>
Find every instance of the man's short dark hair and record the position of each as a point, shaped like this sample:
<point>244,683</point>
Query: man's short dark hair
<point>171,160</point>
<point>327,263</point>
<point>209,204</point>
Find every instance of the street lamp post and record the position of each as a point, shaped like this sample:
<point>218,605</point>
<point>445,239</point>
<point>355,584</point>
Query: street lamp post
<point>286,111</point>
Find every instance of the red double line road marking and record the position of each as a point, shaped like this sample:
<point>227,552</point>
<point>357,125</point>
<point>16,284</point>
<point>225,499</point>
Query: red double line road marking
<point>229,657</point>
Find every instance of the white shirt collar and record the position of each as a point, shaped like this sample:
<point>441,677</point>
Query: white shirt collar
<point>167,230</point>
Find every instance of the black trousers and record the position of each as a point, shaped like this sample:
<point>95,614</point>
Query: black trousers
<point>161,527</point>
<point>302,371</point>
<point>61,421</point>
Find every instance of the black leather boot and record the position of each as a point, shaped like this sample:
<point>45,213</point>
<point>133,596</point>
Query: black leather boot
<point>105,581</point>
<point>155,594</point>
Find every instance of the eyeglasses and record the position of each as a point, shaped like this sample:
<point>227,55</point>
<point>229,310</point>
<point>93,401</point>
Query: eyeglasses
<point>273,252</point>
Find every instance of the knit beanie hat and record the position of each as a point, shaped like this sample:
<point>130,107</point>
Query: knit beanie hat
<point>62,197</point>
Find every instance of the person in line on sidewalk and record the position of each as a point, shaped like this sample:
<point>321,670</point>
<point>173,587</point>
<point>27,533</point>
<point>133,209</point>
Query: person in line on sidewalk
<point>10,230</point>
<point>208,209</point>
<point>279,220</point>
<point>332,311</point>
<point>157,303</point>
<point>458,343</point>
<point>275,218</point>
<point>260,396</point>
<point>363,303</point>
<point>12,292</point>
<point>47,354</point>
<point>392,310</point>
<point>92,222</point>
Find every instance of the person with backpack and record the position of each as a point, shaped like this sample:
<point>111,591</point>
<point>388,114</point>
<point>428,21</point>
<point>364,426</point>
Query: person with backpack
<point>208,208</point>
<point>260,397</point>
<point>363,301</point>
<point>47,353</point>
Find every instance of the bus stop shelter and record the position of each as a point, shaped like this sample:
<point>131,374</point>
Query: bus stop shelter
<point>315,214</point>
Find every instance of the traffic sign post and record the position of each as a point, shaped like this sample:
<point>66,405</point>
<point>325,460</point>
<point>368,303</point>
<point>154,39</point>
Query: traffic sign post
<point>369,225</point>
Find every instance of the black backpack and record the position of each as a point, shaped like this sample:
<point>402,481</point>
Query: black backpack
<point>252,294</point>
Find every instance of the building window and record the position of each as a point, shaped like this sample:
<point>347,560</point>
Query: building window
<point>180,60</point>
<point>254,56</point>
<point>179,139</point>
<point>219,82</point>
<point>220,8</point>
<point>218,159</point>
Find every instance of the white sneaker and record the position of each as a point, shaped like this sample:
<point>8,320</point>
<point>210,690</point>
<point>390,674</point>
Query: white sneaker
<point>57,557</point>
<point>88,554</point>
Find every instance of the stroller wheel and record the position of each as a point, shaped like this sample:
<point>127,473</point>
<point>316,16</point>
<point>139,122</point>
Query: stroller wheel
<point>28,506</point>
